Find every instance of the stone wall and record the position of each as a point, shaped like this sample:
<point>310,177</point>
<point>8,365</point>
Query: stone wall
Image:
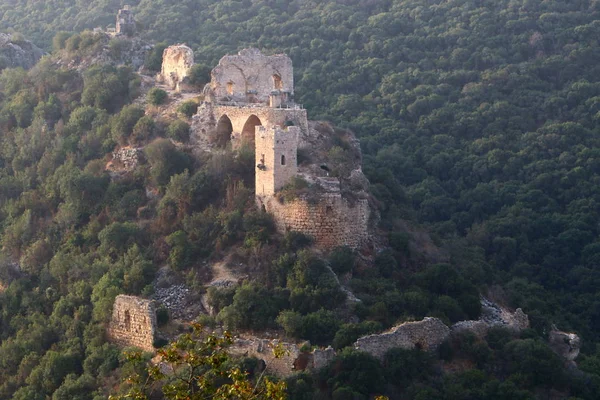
<point>292,361</point>
<point>427,334</point>
<point>493,315</point>
<point>276,157</point>
<point>133,322</point>
<point>176,65</point>
<point>330,219</point>
<point>125,22</point>
<point>250,76</point>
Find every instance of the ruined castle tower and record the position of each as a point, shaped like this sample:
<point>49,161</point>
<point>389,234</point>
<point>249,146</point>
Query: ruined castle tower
<point>125,22</point>
<point>276,157</point>
<point>249,101</point>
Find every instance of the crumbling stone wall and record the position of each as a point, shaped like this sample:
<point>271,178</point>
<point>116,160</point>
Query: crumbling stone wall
<point>176,65</point>
<point>125,22</point>
<point>427,334</point>
<point>493,315</point>
<point>250,76</point>
<point>133,322</point>
<point>126,158</point>
<point>330,219</point>
<point>276,156</point>
<point>263,350</point>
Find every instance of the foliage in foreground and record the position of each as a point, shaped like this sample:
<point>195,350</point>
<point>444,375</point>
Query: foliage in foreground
<point>198,368</point>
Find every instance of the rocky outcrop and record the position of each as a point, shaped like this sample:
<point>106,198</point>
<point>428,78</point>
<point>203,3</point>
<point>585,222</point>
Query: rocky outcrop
<point>566,345</point>
<point>427,334</point>
<point>21,53</point>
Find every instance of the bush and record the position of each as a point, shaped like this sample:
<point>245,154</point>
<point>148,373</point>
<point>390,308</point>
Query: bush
<point>342,260</point>
<point>188,108</point>
<point>162,316</point>
<point>179,130</point>
<point>157,96</point>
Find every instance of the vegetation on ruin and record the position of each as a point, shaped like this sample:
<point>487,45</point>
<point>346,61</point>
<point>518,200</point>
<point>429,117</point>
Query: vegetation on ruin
<point>479,125</point>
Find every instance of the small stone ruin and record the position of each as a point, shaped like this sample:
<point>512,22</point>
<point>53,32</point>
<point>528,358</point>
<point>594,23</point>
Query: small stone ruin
<point>133,322</point>
<point>566,345</point>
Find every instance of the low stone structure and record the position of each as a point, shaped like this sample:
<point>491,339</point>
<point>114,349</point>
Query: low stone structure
<point>427,334</point>
<point>127,158</point>
<point>176,65</point>
<point>133,322</point>
<point>293,359</point>
<point>566,345</point>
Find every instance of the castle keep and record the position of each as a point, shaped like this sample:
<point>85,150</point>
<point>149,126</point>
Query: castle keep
<point>250,102</point>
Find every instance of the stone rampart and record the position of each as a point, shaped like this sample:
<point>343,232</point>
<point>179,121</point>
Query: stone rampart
<point>330,219</point>
<point>427,334</point>
<point>133,322</point>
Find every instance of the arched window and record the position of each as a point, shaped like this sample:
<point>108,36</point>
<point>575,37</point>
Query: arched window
<point>277,83</point>
<point>282,159</point>
<point>230,88</point>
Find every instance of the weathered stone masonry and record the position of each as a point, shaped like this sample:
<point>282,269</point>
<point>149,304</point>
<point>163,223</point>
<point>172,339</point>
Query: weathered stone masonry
<point>177,62</point>
<point>133,322</point>
<point>332,221</point>
<point>250,100</point>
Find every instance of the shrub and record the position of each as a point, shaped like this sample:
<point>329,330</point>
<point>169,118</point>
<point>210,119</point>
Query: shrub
<point>157,96</point>
<point>188,108</point>
<point>162,316</point>
<point>179,130</point>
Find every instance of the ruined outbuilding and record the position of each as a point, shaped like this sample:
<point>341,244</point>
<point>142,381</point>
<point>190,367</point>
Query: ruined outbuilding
<point>176,65</point>
<point>125,24</point>
<point>249,102</point>
<point>133,322</point>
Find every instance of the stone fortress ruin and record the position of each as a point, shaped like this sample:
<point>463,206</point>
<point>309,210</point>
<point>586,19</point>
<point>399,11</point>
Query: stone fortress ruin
<point>250,102</point>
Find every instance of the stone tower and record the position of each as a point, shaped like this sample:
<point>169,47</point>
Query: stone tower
<point>125,22</point>
<point>276,158</point>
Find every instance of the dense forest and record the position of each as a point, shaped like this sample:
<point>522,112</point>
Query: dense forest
<point>478,122</point>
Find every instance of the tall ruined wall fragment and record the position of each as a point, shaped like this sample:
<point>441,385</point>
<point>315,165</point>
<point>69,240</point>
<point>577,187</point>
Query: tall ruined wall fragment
<point>125,22</point>
<point>276,157</point>
<point>250,76</point>
<point>133,322</point>
<point>330,219</point>
<point>177,62</point>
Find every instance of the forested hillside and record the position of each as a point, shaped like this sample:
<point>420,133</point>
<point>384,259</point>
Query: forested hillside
<point>478,121</point>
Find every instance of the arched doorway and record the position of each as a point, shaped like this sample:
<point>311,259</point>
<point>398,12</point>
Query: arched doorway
<point>249,130</point>
<point>223,131</point>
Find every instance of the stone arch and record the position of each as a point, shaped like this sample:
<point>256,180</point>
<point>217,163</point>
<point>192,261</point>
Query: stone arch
<point>277,82</point>
<point>249,130</point>
<point>223,132</point>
